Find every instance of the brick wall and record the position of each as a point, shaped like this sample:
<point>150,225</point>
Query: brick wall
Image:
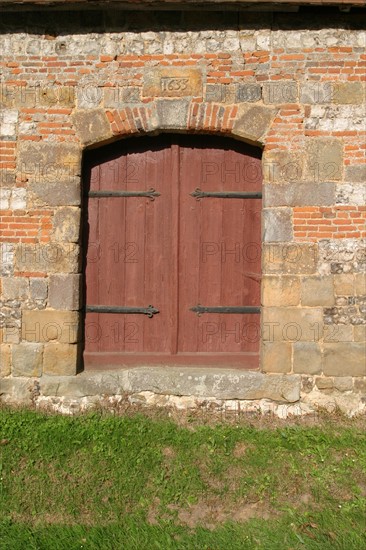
<point>296,90</point>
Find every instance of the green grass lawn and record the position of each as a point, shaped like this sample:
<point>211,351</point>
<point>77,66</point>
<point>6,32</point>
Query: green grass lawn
<point>103,481</point>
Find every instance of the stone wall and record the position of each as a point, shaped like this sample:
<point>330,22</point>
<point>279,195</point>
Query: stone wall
<point>291,86</point>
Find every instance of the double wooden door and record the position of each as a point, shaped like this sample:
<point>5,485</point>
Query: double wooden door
<point>172,235</point>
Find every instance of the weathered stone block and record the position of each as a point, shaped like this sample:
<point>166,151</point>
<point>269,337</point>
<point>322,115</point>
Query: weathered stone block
<point>49,163</point>
<point>291,324</point>
<point>57,96</point>
<point>338,333</point>
<point>47,326</point>
<point>285,91</point>
<point>277,225</point>
<point>38,288</point>
<point>172,114</point>
<point>317,291</point>
<point>47,258</point>
<point>315,92</point>
<point>307,358</point>
<point>290,258</point>
<point>344,284</point>
<point>355,173</point>
<point>299,194</point>
<point>359,332</point>
<point>324,383</point>
<point>344,359</point>
<point>324,159</point>
<point>119,97</point>
<point>348,93</point>
<point>5,360</point>
<point>92,126</point>
<point>60,193</point>
<point>14,288</point>
<point>172,82</point>
<point>66,224</point>
<point>281,290</point>
<point>248,93</point>
<point>60,359</point>
<point>253,122</point>
<point>276,357</point>
<point>343,383</point>
<point>27,359</point>
<point>360,385</point>
<point>360,284</point>
<point>64,291</point>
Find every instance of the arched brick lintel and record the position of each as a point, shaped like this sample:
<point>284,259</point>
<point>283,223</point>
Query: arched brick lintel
<point>246,122</point>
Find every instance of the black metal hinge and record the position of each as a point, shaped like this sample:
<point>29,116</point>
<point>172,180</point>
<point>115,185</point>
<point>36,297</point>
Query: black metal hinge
<point>151,194</point>
<point>225,309</point>
<point>199,194</point>
<point>150,311</point>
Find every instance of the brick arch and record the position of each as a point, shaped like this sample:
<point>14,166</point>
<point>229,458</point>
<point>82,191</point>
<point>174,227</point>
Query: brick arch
<point>246,122</point>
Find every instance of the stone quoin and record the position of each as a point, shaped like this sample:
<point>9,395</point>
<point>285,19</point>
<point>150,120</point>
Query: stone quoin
<point>285,80</point>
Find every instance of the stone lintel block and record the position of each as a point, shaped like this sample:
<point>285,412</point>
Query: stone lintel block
<point>172,114</point>
<point>200,382</point>
<point>64,291</point>
<point>276,357</point>
<point>307,358</point>
<point>253,122</point>
<point>344,359</point>
<point>317,291</point>
<point>280,290</point>
<point>344,284</point>
<point>66,224</point>
<point>92,126</point>
<point>324,159</point>
<point>292,324</point>
<point>50,326</point>
<point>290,258</point>
<point>27,359</point>
<point>5,360</point>
<point>299,194</point>
<point>277,225</point>
<point>49,163</point>
<point>52,257</point>
<point>60,359</point>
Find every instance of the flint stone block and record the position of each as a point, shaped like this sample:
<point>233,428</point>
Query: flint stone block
<point>49,325</point>
<point>299,194</point>
<point>253,122</point>
<point>317,291</point>
<point>60,359</point>
<point>172,114</point>
<point>343,359</point>
<point>27,359</point>
<point>277,225</point>
<point>92,126</point>
<point>64,291</point>
<point>202,382</point>
<point>307,358</point>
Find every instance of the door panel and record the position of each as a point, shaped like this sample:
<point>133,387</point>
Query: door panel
<point>174,252</point>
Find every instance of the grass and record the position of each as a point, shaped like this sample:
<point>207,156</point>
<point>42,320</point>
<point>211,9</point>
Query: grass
<point>101,481</point>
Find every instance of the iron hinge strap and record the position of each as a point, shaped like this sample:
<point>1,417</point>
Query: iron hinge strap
<point>150,311</point>
<point>199,194</point>
<point>151,194</point>
<point>225,309</point>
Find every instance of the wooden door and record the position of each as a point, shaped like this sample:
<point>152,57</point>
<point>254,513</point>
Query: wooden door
<point>173,252</point>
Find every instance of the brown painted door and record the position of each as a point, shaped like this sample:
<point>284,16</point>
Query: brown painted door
<point>173,223</point>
